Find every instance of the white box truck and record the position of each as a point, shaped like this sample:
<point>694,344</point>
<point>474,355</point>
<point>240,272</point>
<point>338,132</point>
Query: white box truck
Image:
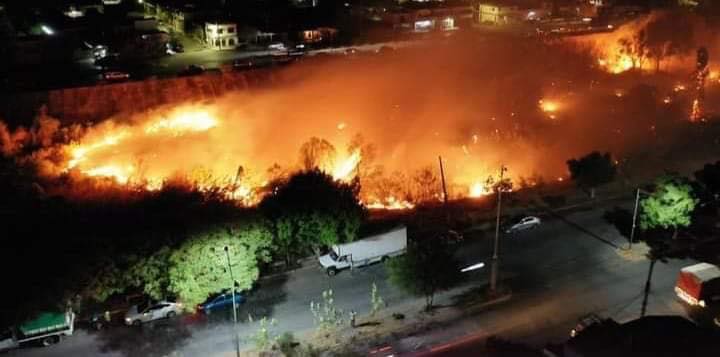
<point>365,251</point>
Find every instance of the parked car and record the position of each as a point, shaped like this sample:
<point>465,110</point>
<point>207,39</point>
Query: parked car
<point>109,60</point>
<point>529,222</point>
<point>221,301</point>
<point>385,50</point>
<point>116,76</point>
<point>585,322</point>
<point>244,63</point>
<point>277,46</point>
<point>139,314</point>
<point>174,47</point>
<point>193,69</point>
<point>99,315</point>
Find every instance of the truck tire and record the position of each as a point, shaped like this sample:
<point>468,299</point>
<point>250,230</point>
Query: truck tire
<point>50,340</point>
<point>384,259</point>
<point>170,314</point>
<point>137,323</point>
<point>331,271</point>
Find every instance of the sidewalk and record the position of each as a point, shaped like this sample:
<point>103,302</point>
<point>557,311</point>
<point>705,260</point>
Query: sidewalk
<point>416,331</point>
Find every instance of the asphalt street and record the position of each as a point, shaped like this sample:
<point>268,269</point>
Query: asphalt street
<point>566,268</point>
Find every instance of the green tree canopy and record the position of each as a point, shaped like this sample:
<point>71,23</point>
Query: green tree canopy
<point>670,205</point>
<point>199,267</point>
<point>311,210</point>
<point>428,266</point>
<point>592,170</point>
<point>195,269</point>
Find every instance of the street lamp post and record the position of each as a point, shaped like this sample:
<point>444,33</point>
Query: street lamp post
<point>232,289</point>
<point>494,267</point>
<point>635,210</point>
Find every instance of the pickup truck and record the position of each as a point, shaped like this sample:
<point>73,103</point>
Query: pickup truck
<point>46,329</point>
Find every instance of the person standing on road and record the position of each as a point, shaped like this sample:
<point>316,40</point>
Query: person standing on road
<point>352,318</point>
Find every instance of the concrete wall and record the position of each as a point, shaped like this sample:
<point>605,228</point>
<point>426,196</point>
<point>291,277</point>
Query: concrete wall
<point>82,104</point>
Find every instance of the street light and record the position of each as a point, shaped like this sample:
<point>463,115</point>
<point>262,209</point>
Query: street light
<point>494,267</point>
<point>237,338</point>
<point>635,211</point>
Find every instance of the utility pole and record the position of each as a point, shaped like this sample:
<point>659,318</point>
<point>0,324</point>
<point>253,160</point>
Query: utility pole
<point>632,230</point>
<point>237,338</point>
<point>494,267</point>
<point>445,194</point>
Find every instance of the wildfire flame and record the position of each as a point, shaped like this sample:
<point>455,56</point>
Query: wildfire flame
<point>391,203</point>
<point>479,189</point>
<point>343,171</point>
<point>548,106</point>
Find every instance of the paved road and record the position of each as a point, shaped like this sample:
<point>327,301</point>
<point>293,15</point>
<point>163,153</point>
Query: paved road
<point>564,269</point>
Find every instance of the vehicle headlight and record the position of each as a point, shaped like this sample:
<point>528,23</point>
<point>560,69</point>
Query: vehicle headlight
<point>702,303</point>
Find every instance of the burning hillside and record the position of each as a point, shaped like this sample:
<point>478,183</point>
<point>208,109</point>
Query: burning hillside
<point>374,118</point>
<point>658,41</point>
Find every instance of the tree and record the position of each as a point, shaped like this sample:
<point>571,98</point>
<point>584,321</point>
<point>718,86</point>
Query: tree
<point>709,179</point>
<point>592,170</point>
<point>635,48</point>
<point>427,184</point>
<point>376,301</point>
<point>325,315</point>
<point>199,267</point>
<point>317,153</point>
<point>265,337</point>
<point>663,38</point>
<point>312,210</point>
<point>669,206</point>
<point>428,267</point>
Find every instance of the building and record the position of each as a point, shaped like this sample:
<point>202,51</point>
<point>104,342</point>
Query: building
<point>424,17</point>
<point>497,13</point>
<point>221,35</point>
<point>644,337</point>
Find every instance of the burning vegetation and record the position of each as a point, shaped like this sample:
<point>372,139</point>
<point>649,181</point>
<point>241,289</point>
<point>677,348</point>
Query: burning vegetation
<point>373,119</point>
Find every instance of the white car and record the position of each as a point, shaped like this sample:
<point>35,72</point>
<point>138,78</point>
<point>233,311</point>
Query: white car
<point>116,75</point>
<point>528,222</point>
<point>277,46</point>
<point>139,314</point>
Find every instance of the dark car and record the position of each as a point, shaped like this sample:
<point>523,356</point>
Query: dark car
<point>385,50</point>
<point>193,69</point>
<point>174,47</point>
<point>585,322</point>
<point>243,64</point>
<point>221,301</point>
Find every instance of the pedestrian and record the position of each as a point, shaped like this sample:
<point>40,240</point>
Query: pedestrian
<point>352,318</point>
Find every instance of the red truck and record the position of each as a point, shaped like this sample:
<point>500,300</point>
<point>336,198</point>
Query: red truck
<point>699,284</point>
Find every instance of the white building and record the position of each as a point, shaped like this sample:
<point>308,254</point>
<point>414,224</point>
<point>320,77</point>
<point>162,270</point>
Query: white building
<point>221,35</point>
